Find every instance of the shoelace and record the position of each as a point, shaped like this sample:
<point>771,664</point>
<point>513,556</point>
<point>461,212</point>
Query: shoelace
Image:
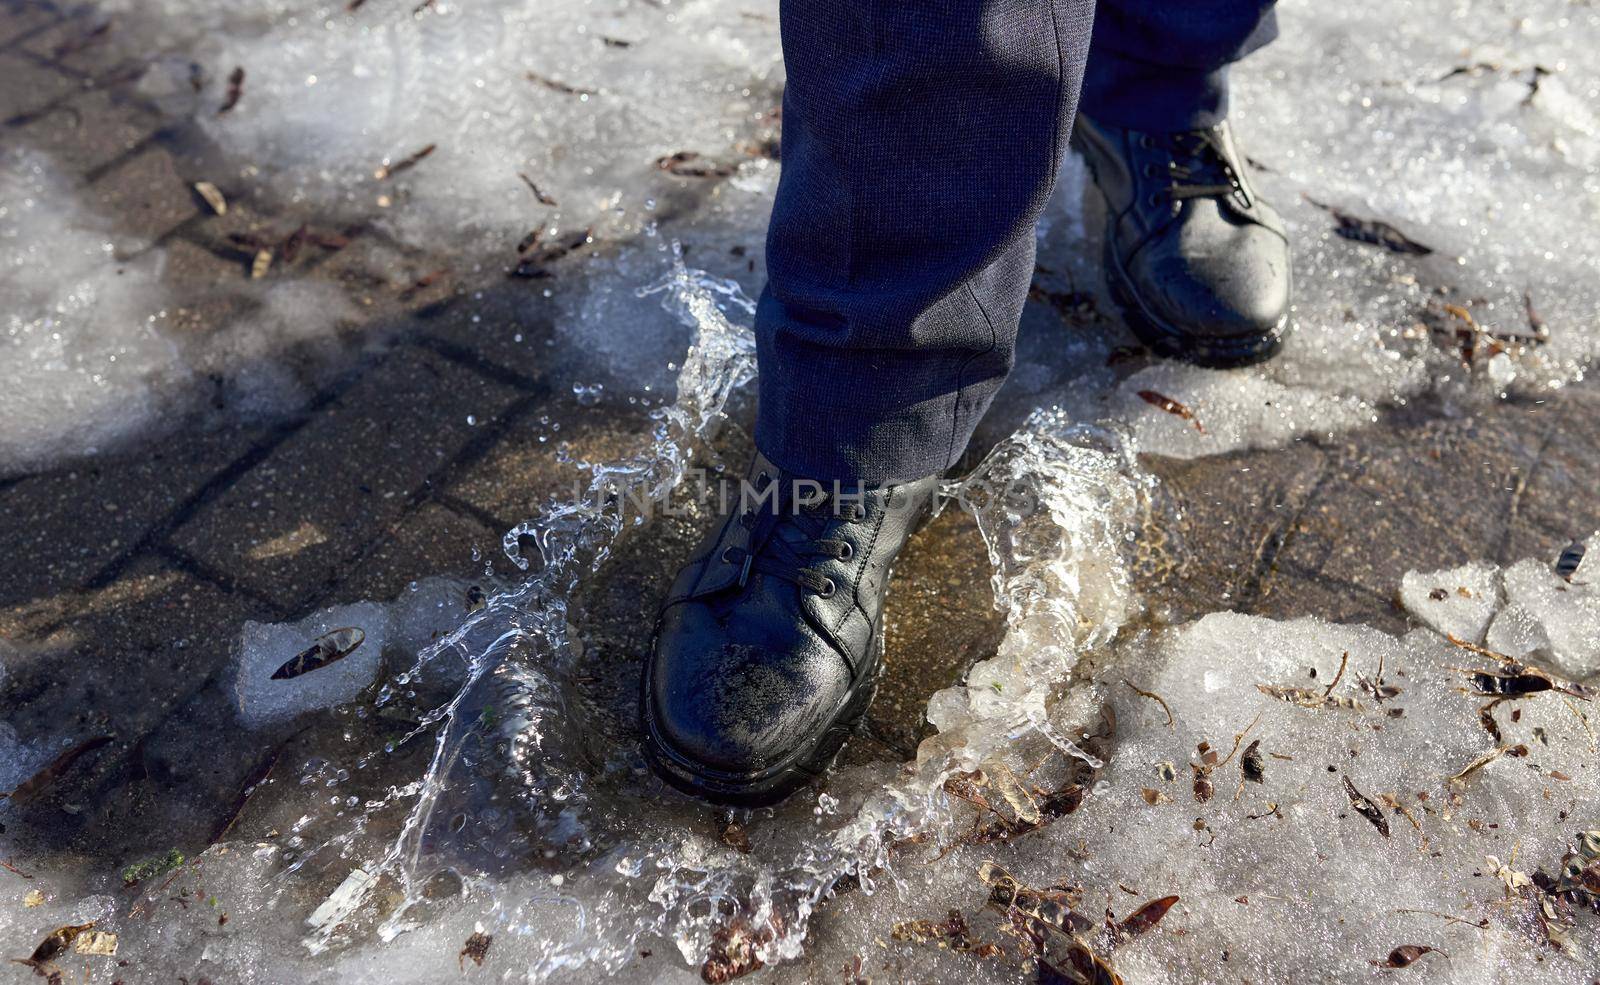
<point>1200,168</point>
<point>784,539</point>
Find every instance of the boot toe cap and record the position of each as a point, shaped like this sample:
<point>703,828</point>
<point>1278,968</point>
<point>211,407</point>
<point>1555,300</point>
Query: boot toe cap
<point>734,703</point>
<point>1237,290</point>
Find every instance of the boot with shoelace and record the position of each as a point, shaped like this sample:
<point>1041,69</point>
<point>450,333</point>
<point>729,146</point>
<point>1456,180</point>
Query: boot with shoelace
<point>768,646</point>
<point>1197,261</point>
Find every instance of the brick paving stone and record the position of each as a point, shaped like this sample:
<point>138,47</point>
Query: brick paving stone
<point>432,540</point>
<point>296,522</point>
<point>29,88</point>
<point>505,323</point>
<point>1199,551</point>
<point>65,526</point>
<point>87,132</point>
<point>145,196</point>
<point>202,273</point>
<point>85,42</point>
<point>128,650</point>
<point>21,19</point>
<point>121,661</point>
<point>523,469</point>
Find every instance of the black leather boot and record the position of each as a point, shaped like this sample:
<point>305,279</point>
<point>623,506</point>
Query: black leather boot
<point>768,647</point>
<point>1196,260</point>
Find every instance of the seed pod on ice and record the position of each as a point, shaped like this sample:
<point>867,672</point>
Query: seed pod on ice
<point>1571,559</point>
<point>213,197</point>
<point>1589,844</point>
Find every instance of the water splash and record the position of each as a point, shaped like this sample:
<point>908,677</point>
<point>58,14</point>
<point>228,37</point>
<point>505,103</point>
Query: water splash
<point>516,799</point>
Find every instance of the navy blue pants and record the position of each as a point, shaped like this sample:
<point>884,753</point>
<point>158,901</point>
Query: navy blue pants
<point>921,139</point>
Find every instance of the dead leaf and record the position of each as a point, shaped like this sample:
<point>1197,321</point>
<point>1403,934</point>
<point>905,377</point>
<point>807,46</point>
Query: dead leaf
<point>1146,916</point>
<point>335,644</point>
<point>386,170</point>
<point>30,789</point>
<point>213,197</point>
<point>1373,232</point>
<point>1166,403</point>
<point>476,948</point>
<point>735,837</point>
<point>1251,764</point>
<point>1364,805</point>
<point>1405,955</point>
<point>235,90</point>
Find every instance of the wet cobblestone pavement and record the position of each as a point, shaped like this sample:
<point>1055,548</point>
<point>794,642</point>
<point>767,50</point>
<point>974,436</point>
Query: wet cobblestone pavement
<point>426,435</point>
<point>133,572</point>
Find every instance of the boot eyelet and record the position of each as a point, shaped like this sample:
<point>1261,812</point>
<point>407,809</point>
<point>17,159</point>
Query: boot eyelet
<point>827,589</point>
<point>1151,171</point>
<point>1152,200</point>
<point>846,551</point>
<point>1146,143</point>
<point>725,558</point>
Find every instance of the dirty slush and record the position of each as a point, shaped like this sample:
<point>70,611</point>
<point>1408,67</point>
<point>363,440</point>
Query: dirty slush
<point>447,783</point>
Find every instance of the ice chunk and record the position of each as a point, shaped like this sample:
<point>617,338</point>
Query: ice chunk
<point>1548,615</point>
<point>265,647</point>
<point>83,362</point>
<point>342,901</point>
<point>1457,602</point>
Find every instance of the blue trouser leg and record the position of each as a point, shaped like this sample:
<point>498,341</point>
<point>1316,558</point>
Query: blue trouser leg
<point>1162,65</point>
<point>921,139</point>
<point>920,143</point>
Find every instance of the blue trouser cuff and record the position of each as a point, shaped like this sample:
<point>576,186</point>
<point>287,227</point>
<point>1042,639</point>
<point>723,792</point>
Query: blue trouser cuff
<point>1138,95</point>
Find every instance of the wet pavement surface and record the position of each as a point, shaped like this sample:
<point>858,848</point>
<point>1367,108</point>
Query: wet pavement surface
<point>128,576</point>
<point>134,572</point>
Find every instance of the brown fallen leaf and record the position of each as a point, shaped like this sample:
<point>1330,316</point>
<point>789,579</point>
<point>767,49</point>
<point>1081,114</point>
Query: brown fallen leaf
<point>335,644</point>
<point>1145,917</point>
<point>30,789</point>
<point>734,951</point>
<point>1366,807</point>
<point>555,85</point>
<point>1405,955</point>
<point>1251,764</point>
<point>538,193</point>
<point>1087,967</point>
<point>690,164</point>
<point>1373,232</point>
<point>476,948</point>
<point>386,170</point>
<point>53,946</point>
<point>736,837</point>
<point>235,90</point>
<point>1166,403</point>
